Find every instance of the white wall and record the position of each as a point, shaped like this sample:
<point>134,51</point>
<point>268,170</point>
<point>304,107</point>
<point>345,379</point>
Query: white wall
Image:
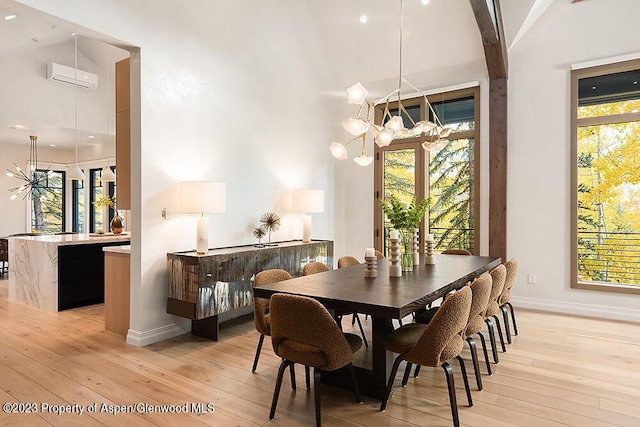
<point>233,92</point>
<point>539,148</point>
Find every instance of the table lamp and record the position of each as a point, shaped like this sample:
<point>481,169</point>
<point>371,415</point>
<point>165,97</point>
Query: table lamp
<point>202,197</point>
<point>307,202</point>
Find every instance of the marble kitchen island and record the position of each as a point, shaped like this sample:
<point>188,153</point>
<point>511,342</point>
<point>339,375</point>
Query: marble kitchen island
<point>57,272</point>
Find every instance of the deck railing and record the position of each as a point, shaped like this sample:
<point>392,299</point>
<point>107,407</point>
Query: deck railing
<point>609,257</point>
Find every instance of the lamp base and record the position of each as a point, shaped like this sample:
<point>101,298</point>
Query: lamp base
<point>306,228</point>
<point>202,246</point>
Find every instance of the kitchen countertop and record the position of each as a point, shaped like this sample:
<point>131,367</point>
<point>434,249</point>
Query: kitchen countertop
<point>124,249</point>
<point>75,239</point>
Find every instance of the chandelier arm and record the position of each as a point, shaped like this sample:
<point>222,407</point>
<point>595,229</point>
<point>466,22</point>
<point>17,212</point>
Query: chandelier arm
<point>406,113</point>
<point>354,138</point>
<point>364,142</point>
<point>400,59</point>
<point>385,99</point>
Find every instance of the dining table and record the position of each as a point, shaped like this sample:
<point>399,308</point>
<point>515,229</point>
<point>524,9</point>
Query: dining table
<point>384,298</point>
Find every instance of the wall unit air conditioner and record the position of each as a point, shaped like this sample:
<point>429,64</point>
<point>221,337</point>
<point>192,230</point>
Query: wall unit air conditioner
<point>62,73</point>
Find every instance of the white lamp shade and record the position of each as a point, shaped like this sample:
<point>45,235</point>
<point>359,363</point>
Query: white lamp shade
<point>356,94</point>
<point>107,175</point>
<point>445,132</point>
<point>198,197</point>
<point>75,173</point>
<point>338,150</point>
<point>395,123</point>
<point>355,126</point>
<point>308,201</point>
<point>363,160</point>
<point>384,137</point>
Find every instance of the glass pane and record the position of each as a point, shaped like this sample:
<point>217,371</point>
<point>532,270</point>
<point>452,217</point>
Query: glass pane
<point>600,110</point>
<point>47,213</point>
<point>451,191</point>
<point>414,113</point>
<point>609,203</point>
<point>96,192</point>
<point>458,114</point>
<point>78,207</point>
<point>399,179</point>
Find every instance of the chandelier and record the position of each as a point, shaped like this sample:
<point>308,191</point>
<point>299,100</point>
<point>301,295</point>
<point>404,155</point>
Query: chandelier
<point>393,126</point>
<point>35,179</point>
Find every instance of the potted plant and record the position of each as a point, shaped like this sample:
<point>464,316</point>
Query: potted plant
<point>117,223</point>
<point>406,219</point>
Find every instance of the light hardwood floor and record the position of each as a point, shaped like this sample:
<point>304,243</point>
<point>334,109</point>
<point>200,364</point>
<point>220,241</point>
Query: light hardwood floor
<point>560,370</point>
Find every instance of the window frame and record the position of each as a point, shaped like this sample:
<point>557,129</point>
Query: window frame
<point>576,75</point>
<point>63,189</point>
<point>422,162</point>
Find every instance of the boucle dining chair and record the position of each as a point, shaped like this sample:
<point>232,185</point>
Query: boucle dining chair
<point>434,345</point>
<point>261,318</point>
<point>314,267</point>
<point>480,291</point>
<point>498,276</point>
<point>505,297</point>
<point>303,331</point>
<point>318,267</point>
<point>456,252</point>
<point>347,261</point>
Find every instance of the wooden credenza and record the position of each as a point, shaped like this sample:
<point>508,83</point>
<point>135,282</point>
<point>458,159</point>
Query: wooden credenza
<point>203,286</point>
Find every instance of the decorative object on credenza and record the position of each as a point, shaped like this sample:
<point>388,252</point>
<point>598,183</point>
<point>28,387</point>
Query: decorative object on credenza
<point>259,233</point>
<point>270,222</point>
<point>394,254</point>
<point>371,261</point>
<point>35,180</point>
<point>202,197</point>
<point>307,202</point>
<point>429,258</point>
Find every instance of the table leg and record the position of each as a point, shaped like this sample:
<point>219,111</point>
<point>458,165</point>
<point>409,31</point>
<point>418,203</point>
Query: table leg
<point>206,328</point>
<point>382,360</point>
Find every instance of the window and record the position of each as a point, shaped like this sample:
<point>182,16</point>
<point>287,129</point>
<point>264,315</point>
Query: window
<point>97,220</point>
<point>448,176</point>
<point>605,143</point>
<point>47,202</point>
<point>78,203</point>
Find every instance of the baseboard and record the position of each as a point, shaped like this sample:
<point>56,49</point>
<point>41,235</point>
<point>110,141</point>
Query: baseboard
<point>614,313</point>
<point>141,339</point>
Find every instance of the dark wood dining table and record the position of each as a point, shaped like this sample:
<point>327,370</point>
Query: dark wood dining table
<point>384,298</point>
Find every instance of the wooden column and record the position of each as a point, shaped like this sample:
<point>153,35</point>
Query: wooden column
<point>489,20</point>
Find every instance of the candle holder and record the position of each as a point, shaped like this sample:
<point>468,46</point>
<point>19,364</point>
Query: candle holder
<point>429,258</point>
<point>394,258</point>
<point>371,267</point>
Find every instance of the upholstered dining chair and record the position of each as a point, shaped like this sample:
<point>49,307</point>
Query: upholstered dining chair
<point>303,331</point>
<point>456,252</point>
<point>505,297</point>
<point>347,261</point>
<point>261,318</point>
<point>314,267</point>
<point>498,276</point>
<point>434,345</point>
<point>480,291</point>
<point>319,267</point>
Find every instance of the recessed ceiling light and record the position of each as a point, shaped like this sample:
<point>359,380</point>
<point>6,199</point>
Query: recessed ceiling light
<point>52,145</point>
<point>91,136</point>
<point>363,18</point>
<point>9,17</point>
<point>425,1</point>
<point>17,127</point>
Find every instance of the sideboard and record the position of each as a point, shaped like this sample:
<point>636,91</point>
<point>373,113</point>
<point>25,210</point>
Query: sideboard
<point>202,286</point>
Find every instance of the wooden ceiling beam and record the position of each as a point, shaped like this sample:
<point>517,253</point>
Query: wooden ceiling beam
<point>489,20</point>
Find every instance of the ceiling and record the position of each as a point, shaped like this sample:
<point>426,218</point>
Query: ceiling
<point>32,32</point>
<point>30,35</point>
